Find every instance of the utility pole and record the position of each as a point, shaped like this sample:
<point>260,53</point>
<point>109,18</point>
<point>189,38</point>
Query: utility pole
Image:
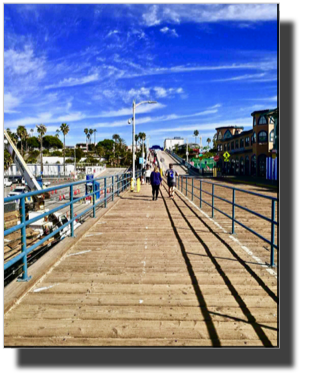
<point>187,153</point>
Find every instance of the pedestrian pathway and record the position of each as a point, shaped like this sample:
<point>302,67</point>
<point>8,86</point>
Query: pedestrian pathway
<point>149,273</point>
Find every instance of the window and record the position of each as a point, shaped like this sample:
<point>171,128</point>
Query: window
<point>242,165</point>
<point>237,144</point>
<point>254,121</point>
<point>242,143</point>
<point>254,136</point>
<point>232,145</point>
<point>272,136</point>
<point>262,120</point>
<point>219,148</point>
<point>271,120</point>
<point>227,134</point>
<point>219,135</point>
<point>246,141</point>
<point>228,145</point>
<point>262,137</point>
<point>225,147</point>
<point>253,165</point>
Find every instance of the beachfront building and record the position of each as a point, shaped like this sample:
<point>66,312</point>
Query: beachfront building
<point>170,143</point>
<point>248,149</point>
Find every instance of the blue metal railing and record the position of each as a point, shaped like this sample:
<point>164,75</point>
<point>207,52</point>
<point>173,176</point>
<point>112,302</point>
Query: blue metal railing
<point>271,220</point>
<point>118,184</point>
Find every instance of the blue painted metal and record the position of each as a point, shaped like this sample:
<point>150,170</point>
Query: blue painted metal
<point>25,276</point>
<point>272,234</point>
<point>94,198</point>
<point>233,204</point>
<point>22,226</point>
<point>112,187</point>
<point>186,185</point>
<point>213,191</point>
<point>192,191</point>
<point>71,212</point>
<point>200,194</point>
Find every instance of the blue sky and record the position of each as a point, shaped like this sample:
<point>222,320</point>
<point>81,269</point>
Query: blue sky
<point>205,65</point>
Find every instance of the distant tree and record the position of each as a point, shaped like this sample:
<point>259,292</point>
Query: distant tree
<point>86,132</point>
<point>41,129</point>
<point>13,136</point>
<point>195,133</point>
<point>33,143</point>
<point>64,128</point>
<point>215,141</point>
<point>107,144</point>
<point>57,153</point>
<point>7,160</point>
<point>22,134</point>
<point>208,142</point>
<point>50,141</point>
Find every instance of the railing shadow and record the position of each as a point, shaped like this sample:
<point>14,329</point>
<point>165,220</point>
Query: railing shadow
<point>257,328</point>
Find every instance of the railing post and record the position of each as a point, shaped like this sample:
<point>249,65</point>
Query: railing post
<point>178,183</point>
<point>105,191</point>
<point>212,200</point>
<point>192,190</point>
<point>118,187</point>
<point>182,184</point>
<point>233,202</point>
<point>94,198</point>
<point>200,194</point>
<point>112,186</point>
<point>186,185</point>
<point>25,276</point>
<point>272,234</point>
<point>71,212</point>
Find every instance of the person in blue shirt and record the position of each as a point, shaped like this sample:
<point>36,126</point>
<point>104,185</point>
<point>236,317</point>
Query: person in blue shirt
<point>155,180</point>
<point>171,175</point>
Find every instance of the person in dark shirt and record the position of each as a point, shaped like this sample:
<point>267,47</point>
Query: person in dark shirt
<point>171,175</point>
<point>156,180</point>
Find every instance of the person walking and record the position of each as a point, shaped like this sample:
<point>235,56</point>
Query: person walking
<point>156,180</point>
<point>148,174</point>
<point>171,175</point>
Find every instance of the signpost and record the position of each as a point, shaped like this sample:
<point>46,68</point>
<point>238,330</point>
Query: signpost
<point>226,156</point>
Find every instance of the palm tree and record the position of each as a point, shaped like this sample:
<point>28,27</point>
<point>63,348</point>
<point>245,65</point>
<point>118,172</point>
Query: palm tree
<point>41,129</point>
<point>195,133</point>
<point>86,132</point>
<point>116,139</point>
<point>91,131</point>
<point>64,128</point>
<point>95,131</point>
<point>13,136</point>
<point>136,140</point>
<point>208,142</point>
<point>21,133</point>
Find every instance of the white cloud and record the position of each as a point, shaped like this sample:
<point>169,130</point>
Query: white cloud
<point>112,32</point>
<point>162,92</point>
<point>209,13</point>
<point>23,62</point>
<point>71,81</point>
<point>129,111</point>
<point>10,102</point>
<point>172,32</point>
<point>243,77</point>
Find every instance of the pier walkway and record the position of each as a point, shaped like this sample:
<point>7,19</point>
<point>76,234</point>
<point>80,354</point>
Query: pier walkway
<point>150,274</point>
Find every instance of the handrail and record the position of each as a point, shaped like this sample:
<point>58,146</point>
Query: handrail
<point>272,220</point>
<point>119,185</point>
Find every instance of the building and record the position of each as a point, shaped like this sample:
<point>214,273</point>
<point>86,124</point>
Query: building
<point>248,149</point>
<point>169,143</point>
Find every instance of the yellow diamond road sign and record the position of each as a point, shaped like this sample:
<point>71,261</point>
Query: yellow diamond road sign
<point>226,156</point>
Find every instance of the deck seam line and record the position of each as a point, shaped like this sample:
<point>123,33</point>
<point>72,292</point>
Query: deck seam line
<point>245,249</point>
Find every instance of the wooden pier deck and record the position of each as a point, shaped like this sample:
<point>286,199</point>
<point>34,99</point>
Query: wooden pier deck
<point>150,274</point>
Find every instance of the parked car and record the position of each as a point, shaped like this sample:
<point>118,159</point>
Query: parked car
<point>7,183</point>
<point>18,190</point>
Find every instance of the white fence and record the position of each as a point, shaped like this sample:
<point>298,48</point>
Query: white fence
<point>54,170</point>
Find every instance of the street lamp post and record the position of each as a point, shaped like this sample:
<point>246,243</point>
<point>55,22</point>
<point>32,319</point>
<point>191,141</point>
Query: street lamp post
<point>187,153</point>
<point>75,161</point>
<point>133,131</point>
